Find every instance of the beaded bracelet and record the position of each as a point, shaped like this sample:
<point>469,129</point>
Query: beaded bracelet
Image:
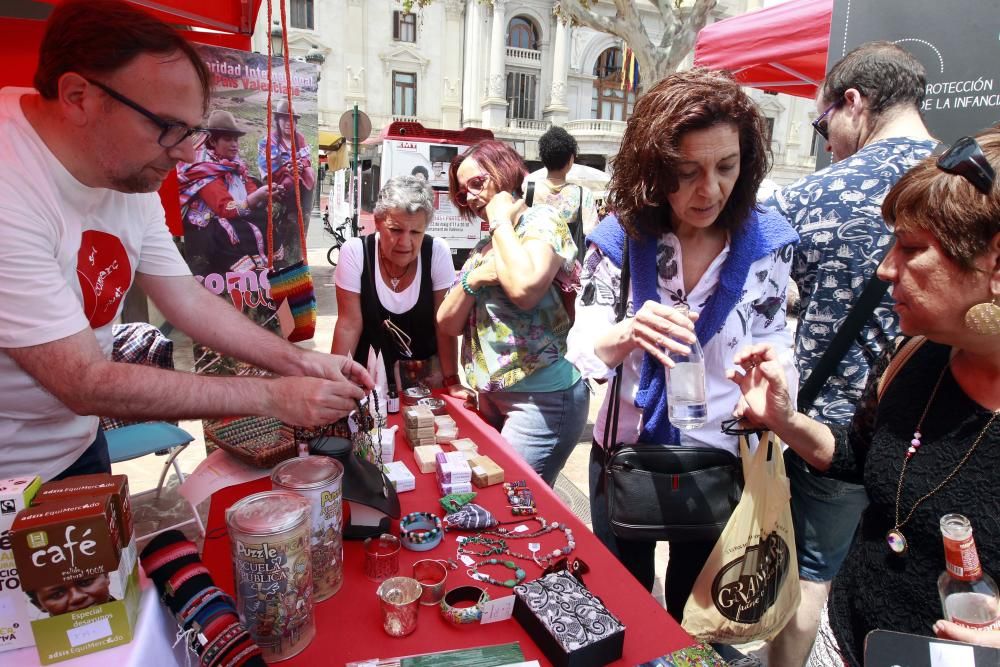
<point>464,615</point>
<point>465,285</point>
<point>420,531</point>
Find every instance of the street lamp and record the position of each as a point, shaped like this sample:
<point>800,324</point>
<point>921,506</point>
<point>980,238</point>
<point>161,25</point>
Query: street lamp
<point>277,43</point>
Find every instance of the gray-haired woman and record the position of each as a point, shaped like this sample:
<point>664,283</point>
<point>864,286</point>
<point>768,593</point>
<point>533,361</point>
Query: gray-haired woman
<point>389,287</point>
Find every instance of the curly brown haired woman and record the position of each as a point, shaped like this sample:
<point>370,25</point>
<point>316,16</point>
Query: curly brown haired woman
<point>683,193</point>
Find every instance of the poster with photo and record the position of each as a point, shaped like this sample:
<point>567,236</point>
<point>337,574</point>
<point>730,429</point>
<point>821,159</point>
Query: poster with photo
<point>229,243</point>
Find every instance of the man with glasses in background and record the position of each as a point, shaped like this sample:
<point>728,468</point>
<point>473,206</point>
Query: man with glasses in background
<point>118,101</point>
<point>869,118</point>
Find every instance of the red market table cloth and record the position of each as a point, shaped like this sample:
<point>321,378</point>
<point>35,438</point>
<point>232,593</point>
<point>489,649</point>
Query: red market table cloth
<point>349,624</point>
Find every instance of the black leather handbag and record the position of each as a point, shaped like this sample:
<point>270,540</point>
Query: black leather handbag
<point>675,493</point>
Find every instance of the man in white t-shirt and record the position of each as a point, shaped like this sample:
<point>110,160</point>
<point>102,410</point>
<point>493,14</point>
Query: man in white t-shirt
<point>118,99</point>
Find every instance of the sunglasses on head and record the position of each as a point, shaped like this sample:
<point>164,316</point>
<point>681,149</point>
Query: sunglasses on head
<point>473,186</point>
<point>822,123</point>
<point>965,158</point>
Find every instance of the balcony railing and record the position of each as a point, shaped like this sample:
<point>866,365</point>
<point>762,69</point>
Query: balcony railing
<point>524,56</point>
<point>596,126</point>
<point>405,119</point>
<point>527,124</point>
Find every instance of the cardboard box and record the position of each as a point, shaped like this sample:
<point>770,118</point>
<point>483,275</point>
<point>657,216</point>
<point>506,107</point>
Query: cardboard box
<point>485,471</point>
<point>92,486</point>
<point>75,633</point>
<point>425,456</point>
<point>547,607</point>
<point>400,476</point>
<point>66,540</point>
<point>15,626</point>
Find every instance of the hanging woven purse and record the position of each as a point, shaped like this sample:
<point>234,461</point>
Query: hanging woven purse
<point>291,283</point>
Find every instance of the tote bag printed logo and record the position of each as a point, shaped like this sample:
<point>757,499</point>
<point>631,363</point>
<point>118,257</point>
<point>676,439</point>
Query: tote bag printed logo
<point>747,587</point>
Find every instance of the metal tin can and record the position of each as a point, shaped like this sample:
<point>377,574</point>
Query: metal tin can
<point>437,405</point>
<point>319,480</point>
<point>269,532</point>
<point>412,395</point>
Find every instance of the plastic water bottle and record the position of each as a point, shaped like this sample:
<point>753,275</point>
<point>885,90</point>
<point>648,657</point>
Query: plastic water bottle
<point>686,388</point>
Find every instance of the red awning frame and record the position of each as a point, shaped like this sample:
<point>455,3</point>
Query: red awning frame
<point>781,49</point>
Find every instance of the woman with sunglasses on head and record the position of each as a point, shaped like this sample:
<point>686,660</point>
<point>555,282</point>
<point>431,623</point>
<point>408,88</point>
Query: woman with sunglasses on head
<point>389,286</point>
<point>683,192</point>
<point>511,314</point>
<point>925,439</point>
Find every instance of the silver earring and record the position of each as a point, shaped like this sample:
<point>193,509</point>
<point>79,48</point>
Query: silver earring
<point>984,318</point>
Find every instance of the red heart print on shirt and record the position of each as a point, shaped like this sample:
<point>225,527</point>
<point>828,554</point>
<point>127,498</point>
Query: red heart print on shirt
<point>105,274</point>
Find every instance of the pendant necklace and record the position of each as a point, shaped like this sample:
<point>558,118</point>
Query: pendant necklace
<point>894,538</point>
<point>393,280</point>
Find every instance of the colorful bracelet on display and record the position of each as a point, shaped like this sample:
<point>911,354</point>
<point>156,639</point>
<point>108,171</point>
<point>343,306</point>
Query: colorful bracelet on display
<point>464,615</point>
<point>519,573</point>
<point>520,497</point>
<point>420,531</point>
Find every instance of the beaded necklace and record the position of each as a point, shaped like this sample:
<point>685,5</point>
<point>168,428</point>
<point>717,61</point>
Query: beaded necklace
<point>519,574</point>
<point>547,559</point>
<point>491,546</point>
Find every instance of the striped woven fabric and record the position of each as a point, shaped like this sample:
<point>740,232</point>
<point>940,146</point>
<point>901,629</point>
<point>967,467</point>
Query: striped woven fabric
<point>295,284</point>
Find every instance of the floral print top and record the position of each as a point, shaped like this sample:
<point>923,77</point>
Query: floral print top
<point>505,345</point>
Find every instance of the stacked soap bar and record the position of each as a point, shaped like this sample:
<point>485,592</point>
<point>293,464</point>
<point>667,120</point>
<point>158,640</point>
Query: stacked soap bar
<point>453,473</point>
<point>446,430</point>
<point>418,423</point>
<point>400,476</point>
<point>425,456</point>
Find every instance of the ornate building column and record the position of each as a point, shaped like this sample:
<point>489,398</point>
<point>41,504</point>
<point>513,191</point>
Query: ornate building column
<point>557,111</point>
<point>451,71</point>
<point>495,105</point>
<point>472,73</point>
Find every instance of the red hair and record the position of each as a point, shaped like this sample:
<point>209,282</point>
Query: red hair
<point>500,161</point>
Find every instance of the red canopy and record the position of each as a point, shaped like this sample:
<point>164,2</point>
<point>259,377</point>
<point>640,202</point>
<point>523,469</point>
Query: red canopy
<point>781,49</point>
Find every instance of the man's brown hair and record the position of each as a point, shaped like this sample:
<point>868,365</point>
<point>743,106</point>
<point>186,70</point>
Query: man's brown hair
<point>96,37</point>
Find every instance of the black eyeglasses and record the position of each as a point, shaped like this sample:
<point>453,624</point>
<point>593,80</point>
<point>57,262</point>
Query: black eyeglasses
<point>965,158</point>
<point>822,125</point>
<point>171,133</point>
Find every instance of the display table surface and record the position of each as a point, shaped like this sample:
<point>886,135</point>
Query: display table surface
<point>349,624</point>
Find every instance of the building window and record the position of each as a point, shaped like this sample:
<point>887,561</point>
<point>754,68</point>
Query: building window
<point>404,94</point>
<point>522,91</point>
<point>302,14</point>
<point>404,26</point>
<point>609,101</point>
<point>768,129</point>
<point>816,142</point>
<point>521,34</point>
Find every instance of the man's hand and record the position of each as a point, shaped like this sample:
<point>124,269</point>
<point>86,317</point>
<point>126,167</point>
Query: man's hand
<point>311,402</point>
<point>338,369</point>
<point>948,630</point>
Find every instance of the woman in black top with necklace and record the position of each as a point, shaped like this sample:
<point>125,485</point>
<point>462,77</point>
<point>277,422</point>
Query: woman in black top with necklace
<point>928,444</point>
<point>389,286</point>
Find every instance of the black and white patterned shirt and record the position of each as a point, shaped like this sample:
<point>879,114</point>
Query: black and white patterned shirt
<point>837,212</point>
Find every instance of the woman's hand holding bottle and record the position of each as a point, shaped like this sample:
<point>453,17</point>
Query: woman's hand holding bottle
<point>661,330</point>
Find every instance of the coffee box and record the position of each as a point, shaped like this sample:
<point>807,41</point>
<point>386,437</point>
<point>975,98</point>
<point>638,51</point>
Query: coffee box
<point>65,540</point>
<point>61,636</point>
<point>93,486</point>
<point>15,629</point>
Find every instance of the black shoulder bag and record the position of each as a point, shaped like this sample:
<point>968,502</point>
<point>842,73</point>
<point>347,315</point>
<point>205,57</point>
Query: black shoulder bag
<point>682,493</point>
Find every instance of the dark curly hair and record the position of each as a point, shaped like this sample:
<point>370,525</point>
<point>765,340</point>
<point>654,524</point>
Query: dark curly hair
<point>645,169</point>
<point>556,147</point>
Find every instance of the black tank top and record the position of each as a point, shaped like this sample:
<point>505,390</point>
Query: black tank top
<point>416,322</point>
